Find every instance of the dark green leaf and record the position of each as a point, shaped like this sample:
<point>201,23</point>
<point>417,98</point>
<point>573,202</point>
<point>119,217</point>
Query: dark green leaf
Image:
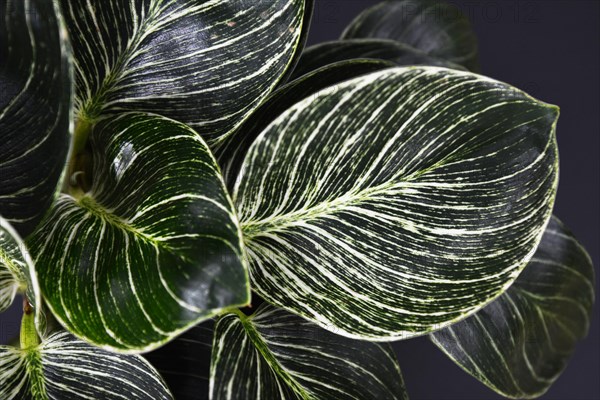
<point>205,63</point>
<point>184,363</point>
<point>277,355</point>
<point>152,249</point>
<point>232,153</point>
<point>322,54</point>
<point>519,344</point>
<point>63,367</point>
<point>435,27</point>
<point>398,202</point>
<point>35,109</point>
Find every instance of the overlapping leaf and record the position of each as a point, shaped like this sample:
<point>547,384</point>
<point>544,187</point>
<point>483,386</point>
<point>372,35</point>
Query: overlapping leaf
<point>395,203</point>
<point>63,367</point>
<point>205,63</point>
<point>16,270</point>
<point>435,27</point>
<point>520,343</point>
<point>152,248</point>
<point>322,54</point>
<point>231,154</point>
<point>277,355</point>
<point>35,109</point>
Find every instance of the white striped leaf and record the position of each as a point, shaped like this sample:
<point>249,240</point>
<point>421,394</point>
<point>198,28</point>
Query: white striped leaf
<point>152,248</point>
<point>65,368</point>
<point>231,154</point>
<point>35,109</point>
<point>16,271</point>
<point>277,355</point>
<point>322,54</point>
<point>435,27</point>
<point>395,203</point>
<point>205,63</point>
<point>519,344</point>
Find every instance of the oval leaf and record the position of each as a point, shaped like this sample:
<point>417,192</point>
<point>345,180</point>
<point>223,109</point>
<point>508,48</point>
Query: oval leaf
<point>63,367</point>
<point>205,63</point>
<point>322,54</point>
<point>519,344</point>
<point>35,109</point>
<point>395,203</point>
<point>435,27</point>
<point>275,355</point>
<point>231,154</point>
<point>152,249</point>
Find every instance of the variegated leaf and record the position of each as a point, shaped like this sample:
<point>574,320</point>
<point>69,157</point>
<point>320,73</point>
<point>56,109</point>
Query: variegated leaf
<point>205,63</point>
<point>520,343</point>
<point>16,271</point>
<point>62,367</point>
<point>399,202</point>
<point>277,355</point>
<point>435,27</point>
<point>231,154</point>
<point>322,54</point>
<point>35,109</point>
<point>184,362</point>
<point>152,248</point>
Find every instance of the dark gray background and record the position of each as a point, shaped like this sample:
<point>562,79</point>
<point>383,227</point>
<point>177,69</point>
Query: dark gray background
<point>550,49</point>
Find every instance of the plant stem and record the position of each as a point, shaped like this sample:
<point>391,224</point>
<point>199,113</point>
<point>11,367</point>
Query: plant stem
<point>29,337</point>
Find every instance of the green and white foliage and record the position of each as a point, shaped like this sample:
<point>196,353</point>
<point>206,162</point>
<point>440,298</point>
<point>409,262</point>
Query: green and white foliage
<point>231,155</point>
<point>16,270</point>
<point>154,246</point>
<point>184,362</point>
<point>398,202</point>
<point>400,54</point>
<point>35,109</point>
<point>205,63</point>
<point>62,367</point>
<point>277,355</point>
<point>436,27</point>
<point>520,343</point>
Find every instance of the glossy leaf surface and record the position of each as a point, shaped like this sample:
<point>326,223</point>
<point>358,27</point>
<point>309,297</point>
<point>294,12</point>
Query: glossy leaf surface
<point>277,355</point>
<point>152,248</point>
<point>519,344</point>
<point>35,109</point>
<point>436,27</point>
<point>231,154</point>
<point>205,63</point>
<point>322,54</point>
<point>395,203</point>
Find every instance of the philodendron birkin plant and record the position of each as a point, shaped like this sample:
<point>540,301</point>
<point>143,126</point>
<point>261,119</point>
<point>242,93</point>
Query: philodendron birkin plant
<point>184,175</point>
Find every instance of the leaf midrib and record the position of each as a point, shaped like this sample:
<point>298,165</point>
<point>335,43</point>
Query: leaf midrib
<point>269,357</point>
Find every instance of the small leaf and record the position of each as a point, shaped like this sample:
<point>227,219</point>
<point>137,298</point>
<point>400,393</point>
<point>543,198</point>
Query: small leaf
<point>152,248</point>
<point>205,63</point>
<point>35,109</point>
<point>184,362</point>
<point>398,202</point>
<point>16,270</point>
<point>231,154</point>
<point>275,355</point>
<point>322,54</point>
<point>435,27</point>
<point>63,367</point>
<point>519,344</point>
